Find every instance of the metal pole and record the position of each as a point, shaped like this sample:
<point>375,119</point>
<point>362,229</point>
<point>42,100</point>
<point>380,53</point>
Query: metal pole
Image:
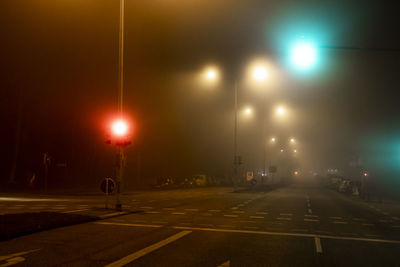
<point>118,205</point>
<point>235,156</point>
<point>265,148</point>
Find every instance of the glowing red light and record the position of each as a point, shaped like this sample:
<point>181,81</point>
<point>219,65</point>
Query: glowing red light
<point>119,127</point>
<point>365,174</point>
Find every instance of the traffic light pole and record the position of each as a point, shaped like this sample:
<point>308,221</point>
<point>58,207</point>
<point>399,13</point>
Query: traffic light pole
<point>120,162</point>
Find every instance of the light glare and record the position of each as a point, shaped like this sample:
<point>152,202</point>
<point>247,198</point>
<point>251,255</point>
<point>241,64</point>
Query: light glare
<point>119,127</point>
<point>303,55</point>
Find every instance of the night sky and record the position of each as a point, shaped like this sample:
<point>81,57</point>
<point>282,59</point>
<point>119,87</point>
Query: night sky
<point>59,84</point>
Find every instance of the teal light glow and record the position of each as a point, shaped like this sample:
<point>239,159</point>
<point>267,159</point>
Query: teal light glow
<point>303,55</point>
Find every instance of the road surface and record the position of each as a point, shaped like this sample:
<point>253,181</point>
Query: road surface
<point>295,225</point>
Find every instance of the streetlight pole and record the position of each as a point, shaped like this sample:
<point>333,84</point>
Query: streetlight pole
<point>120,155</point>
<point>235,156</point>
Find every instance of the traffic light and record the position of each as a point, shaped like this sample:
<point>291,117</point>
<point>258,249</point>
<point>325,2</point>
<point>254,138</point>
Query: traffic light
<point>119,133</point>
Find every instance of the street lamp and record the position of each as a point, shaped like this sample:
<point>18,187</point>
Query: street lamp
<point>248,111</point>
<point>273,139</point>
<point>260,73</point>
<point>280,111</point>
<point>292,140</point>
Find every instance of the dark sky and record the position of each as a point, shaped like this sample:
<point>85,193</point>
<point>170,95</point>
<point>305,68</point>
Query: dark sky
<point>59,62</point>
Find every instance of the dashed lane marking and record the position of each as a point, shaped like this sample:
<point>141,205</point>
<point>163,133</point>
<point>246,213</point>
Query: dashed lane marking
<point>234,208</point>
<point>310,220</point>
<point>289,234</point>
<point>131,257</point>
<point>284,218</point>
<point>230,215</point>
<point>285,214</point>
<point>146,207</point>
<point>238,211</point>
<point>261,212</point>
<point>178,213</point>
<point>256,217</point>
<point>152,212</point>
<point>130,224</point>
<point>339,222</point>
<point>309,215</point>
<point>169,209</point>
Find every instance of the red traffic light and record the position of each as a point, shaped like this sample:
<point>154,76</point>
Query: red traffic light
<point>119,133</point>
<point>119,128</point>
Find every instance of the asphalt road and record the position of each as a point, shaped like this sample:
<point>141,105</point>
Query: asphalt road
<point>296,225</point>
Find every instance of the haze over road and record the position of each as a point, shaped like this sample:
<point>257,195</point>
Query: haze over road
<point>296,225</point>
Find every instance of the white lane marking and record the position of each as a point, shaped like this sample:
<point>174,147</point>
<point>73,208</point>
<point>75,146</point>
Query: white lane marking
<point>225,264</point>
<point>3,258</point>
<point>214,210</point>
<point>230,215</point>
<point>336,218</point>
<point>169,209</point>
<point>238,211</point>
<point>13,261</point>
<point>256,217</point>
<point>130,224</point>
<point>310,220</point>
<point>285,214</point>
<point>284,218</point>
<point>131,257</point>
<point>152,212</point>
<point>309,215</point>
<point>318,246</point>
<point>262,212</point>
<point>287,234</point>
<point>178,213</point>
<point>339,222</point>
<point>112,214</point>
<point>310,211</point>
<point>72,211</point>
<point>192,209</point>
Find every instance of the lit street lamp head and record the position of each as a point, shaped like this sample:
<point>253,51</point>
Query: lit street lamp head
<point>260,73</point>
<point>273,139</point>
<point>248,111</point>
<point>280,111</point>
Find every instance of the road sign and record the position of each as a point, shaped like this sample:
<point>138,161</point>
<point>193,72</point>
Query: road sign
<point>107,185</point>
<point>249,175</point>
<point>272,169</point>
